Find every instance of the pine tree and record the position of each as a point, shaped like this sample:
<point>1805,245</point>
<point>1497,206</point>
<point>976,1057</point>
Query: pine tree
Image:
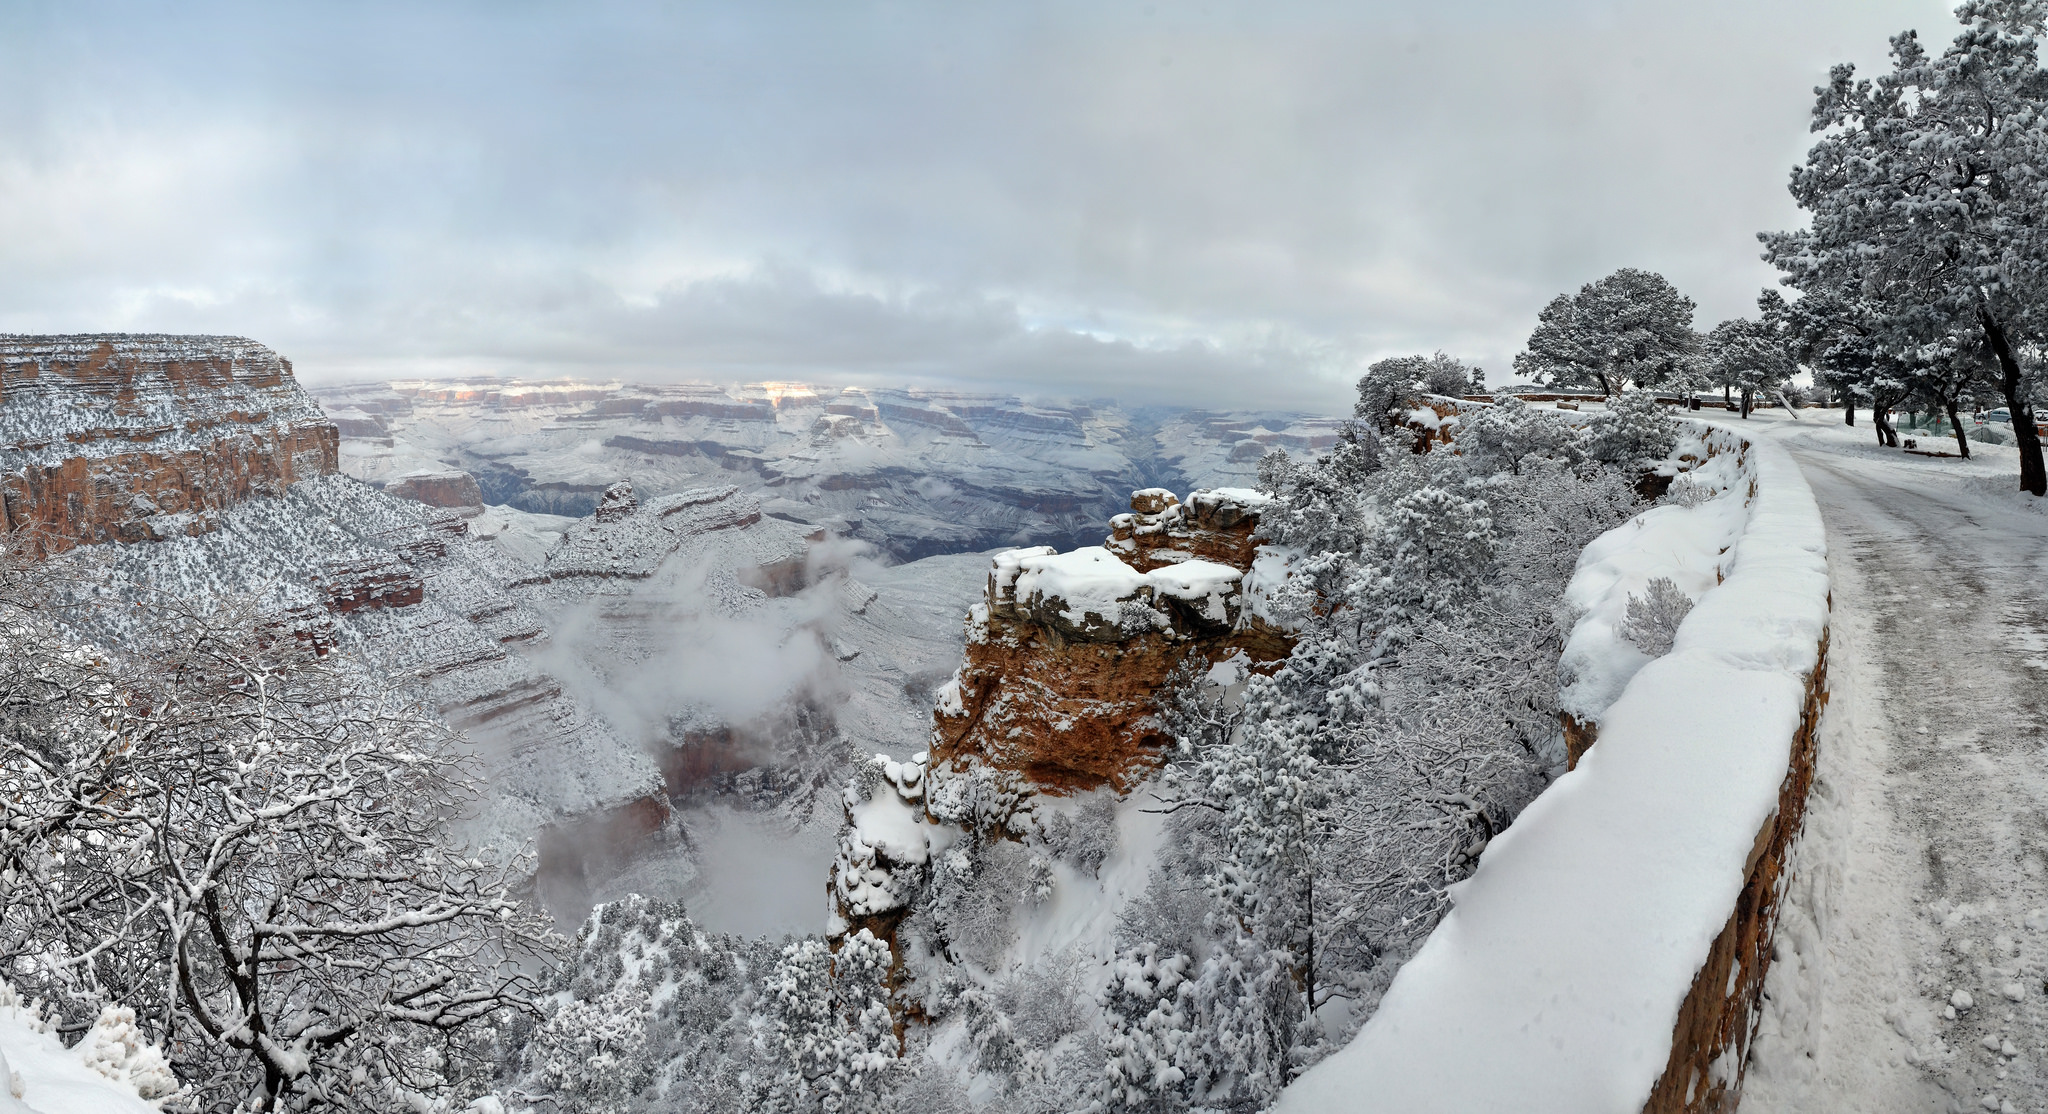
<point>1630,329</point>
<point>1748,355</point>
<point>1634,429</point>
<point>1927,199</point>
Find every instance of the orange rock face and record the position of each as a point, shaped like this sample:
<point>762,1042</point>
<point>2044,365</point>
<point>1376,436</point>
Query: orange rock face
<point>1069,705</point>
<point>132,438</point>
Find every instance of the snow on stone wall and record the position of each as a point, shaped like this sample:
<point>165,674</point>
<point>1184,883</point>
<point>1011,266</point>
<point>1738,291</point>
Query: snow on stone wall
<point>1590,932</point>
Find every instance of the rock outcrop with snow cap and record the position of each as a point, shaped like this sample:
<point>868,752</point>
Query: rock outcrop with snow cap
<point>1067,654</point>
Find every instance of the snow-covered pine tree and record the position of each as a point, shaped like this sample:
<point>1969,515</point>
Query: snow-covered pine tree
<point>1928,198</point>
<point>830,1011</point>
<point>1635,429</point>
<point>1501,436</point>
<point>1750,356</point>
<point>649,1013</point>
<point>1630,329</point>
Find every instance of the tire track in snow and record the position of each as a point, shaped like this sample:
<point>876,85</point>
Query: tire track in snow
<point>1917,897</point>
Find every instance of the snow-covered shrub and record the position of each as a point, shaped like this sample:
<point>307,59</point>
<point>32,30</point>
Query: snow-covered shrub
<point>1084,836</point>
<point>1653,617</point>
<point>1501,436</point>
<point>1689,490</point>
<point>1634,428</point>
<point>969,910</point>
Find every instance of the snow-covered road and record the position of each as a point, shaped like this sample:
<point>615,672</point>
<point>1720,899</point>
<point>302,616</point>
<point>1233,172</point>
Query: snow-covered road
<point>1914,943</point>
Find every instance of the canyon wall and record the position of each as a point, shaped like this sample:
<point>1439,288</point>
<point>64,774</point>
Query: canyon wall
<point>131,438</point>
<point>196,468</point>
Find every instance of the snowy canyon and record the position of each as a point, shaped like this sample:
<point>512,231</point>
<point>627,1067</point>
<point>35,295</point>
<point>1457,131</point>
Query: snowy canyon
<point>667,622</point>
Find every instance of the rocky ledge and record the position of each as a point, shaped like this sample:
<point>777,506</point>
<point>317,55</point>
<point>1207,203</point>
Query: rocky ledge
<point>1068,653</point>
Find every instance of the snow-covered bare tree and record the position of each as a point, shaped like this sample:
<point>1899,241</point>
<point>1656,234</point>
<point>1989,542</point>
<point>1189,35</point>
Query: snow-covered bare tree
<point>1630,329</point>
<point>1927,198</point>
<point>250,848</point>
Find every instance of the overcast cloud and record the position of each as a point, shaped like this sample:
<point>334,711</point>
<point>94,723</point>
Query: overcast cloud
<point>1216,204</point>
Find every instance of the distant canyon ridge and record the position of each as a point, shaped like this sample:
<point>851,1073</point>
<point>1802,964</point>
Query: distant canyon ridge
<point>912,472</point>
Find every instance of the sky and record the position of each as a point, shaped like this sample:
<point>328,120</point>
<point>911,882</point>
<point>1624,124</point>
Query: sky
<point>1201,203</point>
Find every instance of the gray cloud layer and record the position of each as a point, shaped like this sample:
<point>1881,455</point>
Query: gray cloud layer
<point>1217,204</point>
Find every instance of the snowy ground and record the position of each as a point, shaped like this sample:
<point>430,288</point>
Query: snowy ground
<point>39,1075</point>
<point>1914,943</point>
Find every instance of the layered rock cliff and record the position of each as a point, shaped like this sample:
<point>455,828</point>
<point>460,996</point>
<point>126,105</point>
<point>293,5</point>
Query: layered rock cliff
<point>132,437</point>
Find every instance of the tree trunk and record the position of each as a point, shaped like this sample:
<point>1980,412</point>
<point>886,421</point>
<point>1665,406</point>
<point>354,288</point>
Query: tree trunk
<point>1848,408</point>
<point>1745,403</point>
<point>1962,441</point>
<point>1880,416</point>
<point>1726,398</point>
<point>2033,478</point>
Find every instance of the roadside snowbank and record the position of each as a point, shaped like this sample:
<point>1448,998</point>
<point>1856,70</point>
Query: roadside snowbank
<point>1555,982</point>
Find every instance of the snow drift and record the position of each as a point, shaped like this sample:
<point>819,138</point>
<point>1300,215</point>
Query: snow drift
<point>1577,947</point>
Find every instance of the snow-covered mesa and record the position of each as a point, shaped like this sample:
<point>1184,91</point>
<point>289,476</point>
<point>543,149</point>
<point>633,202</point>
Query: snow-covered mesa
<point>1555,982</point>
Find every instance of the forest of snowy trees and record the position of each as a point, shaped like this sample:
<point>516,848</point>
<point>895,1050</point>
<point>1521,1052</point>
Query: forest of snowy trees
<point>1922,279</point>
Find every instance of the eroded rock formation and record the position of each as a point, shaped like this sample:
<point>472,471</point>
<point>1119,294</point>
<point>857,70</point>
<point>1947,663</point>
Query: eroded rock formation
<point>134,438</point>
<point>1068,653</point>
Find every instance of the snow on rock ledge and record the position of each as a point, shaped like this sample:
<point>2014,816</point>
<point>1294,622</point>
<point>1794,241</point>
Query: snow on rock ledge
<point>1592,963</point>
<point>1067,652</point>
